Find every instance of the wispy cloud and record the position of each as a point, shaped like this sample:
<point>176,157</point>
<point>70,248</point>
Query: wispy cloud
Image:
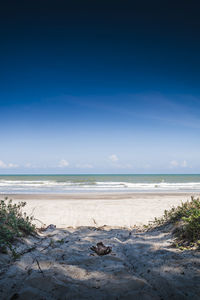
<point>113,158</point>
<point>184,164</point>
<point>116,163</point>
<point>175,164</point>
<point>3,165</point>
<point>186,116</point>
<point>63,163</point>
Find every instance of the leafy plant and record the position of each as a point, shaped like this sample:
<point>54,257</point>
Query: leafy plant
<point>186,218</point>
<point>13,223</point>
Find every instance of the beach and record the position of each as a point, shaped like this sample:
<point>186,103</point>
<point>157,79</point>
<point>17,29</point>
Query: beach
<point>99,155</point>
<point>59,263</point>
<point>98,209</point>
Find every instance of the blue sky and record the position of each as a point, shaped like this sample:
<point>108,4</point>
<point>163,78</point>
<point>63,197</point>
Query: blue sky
<point>89,90</point>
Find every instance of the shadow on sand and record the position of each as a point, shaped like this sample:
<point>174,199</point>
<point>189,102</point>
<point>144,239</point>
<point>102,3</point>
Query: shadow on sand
<point>142,265</point>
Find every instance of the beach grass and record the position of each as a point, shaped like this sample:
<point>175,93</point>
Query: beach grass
<point>13,223</point>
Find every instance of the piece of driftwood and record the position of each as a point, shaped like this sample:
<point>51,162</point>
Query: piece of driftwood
<point>100,249</point>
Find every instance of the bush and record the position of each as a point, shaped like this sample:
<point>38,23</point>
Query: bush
<point>187,219</point>
<point>13,223</point>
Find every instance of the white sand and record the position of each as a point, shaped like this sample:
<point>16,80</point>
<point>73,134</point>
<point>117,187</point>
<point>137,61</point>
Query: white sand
<point>121,210</point>
<point>59,264</point>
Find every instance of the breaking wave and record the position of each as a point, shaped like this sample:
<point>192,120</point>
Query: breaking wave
<point>53,186</point>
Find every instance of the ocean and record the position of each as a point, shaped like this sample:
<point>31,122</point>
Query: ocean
<point>33,184</point>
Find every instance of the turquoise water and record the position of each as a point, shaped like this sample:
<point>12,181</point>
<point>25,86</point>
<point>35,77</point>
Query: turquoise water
<point>98,183</point>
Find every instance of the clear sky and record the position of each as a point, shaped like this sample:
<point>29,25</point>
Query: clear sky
<point>99,87</point>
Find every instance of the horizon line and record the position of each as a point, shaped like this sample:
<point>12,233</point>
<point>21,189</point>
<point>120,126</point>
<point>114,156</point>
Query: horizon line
<point>94,174</point>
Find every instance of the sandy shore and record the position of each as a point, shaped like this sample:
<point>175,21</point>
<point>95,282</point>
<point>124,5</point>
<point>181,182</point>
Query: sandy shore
<point>59,263</point>
<point>98,209</point>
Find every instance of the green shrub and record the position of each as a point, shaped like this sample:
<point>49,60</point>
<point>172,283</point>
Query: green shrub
<point>187,219</point>
<point>13,223</point>
<point>192,227</point>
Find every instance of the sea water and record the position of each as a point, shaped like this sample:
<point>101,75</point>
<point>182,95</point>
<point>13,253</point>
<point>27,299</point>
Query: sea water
<point>29,184</point>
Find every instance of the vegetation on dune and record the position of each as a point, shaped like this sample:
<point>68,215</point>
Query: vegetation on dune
<point>13,223</point>
<point>186,218</point>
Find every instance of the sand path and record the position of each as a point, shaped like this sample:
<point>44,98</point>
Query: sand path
<point>141,266</point>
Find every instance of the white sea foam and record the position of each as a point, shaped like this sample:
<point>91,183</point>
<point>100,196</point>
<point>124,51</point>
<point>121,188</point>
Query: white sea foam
<point>51,186</point>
